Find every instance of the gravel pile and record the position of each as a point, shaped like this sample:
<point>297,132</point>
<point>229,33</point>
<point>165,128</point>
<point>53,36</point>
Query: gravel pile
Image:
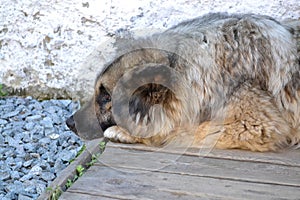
<point>35,145</point>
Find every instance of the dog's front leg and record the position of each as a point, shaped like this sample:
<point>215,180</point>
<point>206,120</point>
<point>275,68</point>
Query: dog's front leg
<point>118,134</point>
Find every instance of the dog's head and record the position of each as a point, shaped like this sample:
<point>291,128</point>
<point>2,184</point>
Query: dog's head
<point>97,115</point>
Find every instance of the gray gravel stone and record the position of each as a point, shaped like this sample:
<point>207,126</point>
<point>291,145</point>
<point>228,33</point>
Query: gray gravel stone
<point>47,123</point>
<point>66,155</point>
<point>10,114</point>
<point>3,122</point>
<point>1,140</point>
<point>40,188</point>
<point>4,175</point>
<point>29,158</point>
<point>11,141</point>
<point>29,126</point>
<point>6,107</point>
<point>33,118</point>
<point>23,197</point>
<point>15,175</point>
<point>65,103</point>
<point>58,166</point>
<point>50,131</point>
<point>48,176</point>
<point>30,189</point>
<point>27,163</point>
<point>26,177</point>
<point>56,119</point>
<point>45,141</point>
<point>29,147</point>
<point>36,170</point>
<point>26,137</point>
<point>17,164</point>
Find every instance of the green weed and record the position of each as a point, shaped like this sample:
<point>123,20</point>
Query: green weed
<point>55,193</point>
<point>2,92</point>
<point>102,145</point>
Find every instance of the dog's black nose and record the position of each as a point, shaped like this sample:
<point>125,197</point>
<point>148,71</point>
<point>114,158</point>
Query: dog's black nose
<point>71,124</point>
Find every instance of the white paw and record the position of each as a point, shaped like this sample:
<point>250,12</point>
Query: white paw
<point>110,133</point>
<point>118,134</point>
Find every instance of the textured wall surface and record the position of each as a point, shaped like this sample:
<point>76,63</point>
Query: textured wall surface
<point>54,49</point>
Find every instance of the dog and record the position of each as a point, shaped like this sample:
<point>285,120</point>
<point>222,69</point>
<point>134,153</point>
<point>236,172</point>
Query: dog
<point>234,78</point>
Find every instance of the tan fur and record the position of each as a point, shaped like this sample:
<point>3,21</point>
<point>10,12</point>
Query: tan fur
<point>236,79</point>
<point>251,121</point>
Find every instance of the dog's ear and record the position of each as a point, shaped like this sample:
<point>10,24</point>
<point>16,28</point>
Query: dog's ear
<point>86,122</point>
<point>144,98</point>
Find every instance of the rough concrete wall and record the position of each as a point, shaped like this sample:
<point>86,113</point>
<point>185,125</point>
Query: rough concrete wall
<point>55,48</point>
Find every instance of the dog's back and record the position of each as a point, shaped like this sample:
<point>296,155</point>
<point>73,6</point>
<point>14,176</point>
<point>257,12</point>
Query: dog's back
<point>222,64</point>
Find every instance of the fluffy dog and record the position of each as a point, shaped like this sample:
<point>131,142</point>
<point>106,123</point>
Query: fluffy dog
<point>233,78</point>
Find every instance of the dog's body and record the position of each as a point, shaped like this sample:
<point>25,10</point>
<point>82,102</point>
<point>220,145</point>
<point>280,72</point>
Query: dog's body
<point>236,77</point>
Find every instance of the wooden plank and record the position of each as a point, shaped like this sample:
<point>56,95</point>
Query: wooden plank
<point>140,172</point>
<point>92,148</point>
<point>286,157</point>
<point>256,172</point>
<point>139,184</point>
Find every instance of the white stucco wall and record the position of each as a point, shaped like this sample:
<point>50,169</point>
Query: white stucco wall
<point>54,48</point>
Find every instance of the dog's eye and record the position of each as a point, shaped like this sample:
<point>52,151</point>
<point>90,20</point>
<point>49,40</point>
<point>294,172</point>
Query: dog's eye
<point>106,98</point>
<point>103,96</point>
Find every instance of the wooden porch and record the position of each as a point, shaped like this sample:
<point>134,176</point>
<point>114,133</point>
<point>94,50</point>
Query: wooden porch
<point>140,172</point>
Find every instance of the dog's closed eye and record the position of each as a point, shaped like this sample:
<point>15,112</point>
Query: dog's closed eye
<point>103,108</point>
<point>103,96</point>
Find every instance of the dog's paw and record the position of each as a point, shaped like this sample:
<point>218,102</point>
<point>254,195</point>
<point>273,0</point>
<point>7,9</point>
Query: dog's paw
<point>117,134</point>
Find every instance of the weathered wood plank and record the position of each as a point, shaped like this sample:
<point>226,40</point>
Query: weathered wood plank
<point>140,172</point>
<point>286,157</point>
<point>256,172</point>
<point>139,184</point>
